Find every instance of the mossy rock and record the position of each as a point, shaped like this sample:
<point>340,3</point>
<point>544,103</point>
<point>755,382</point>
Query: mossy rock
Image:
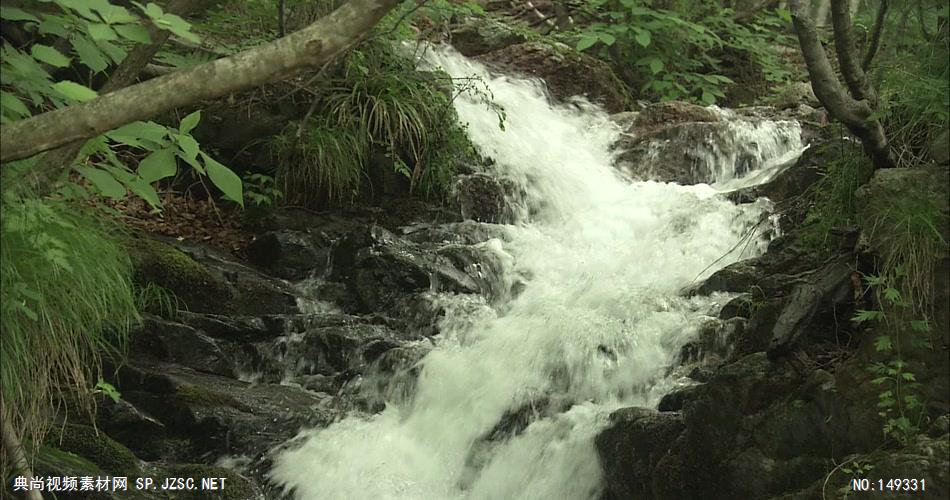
<point>160,264</point>
<point>234,487</point>
<point>566,72</point>
<point>193,395</point>
<point>95,446</point>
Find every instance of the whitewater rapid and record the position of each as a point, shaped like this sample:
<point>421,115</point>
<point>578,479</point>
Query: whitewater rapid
<point>597,327</point>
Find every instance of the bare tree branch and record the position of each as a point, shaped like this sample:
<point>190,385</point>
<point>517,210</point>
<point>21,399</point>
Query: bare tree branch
<point>875,42</point>
<point>14,449</point>
<point>309,47</point>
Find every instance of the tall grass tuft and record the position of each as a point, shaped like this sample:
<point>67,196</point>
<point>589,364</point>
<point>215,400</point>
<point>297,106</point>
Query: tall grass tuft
<point>67,297</point>
<point>376,99</point>
<point>325,162</point>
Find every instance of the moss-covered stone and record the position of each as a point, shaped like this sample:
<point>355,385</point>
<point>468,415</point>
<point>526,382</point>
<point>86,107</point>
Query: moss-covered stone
<point>566,72</point>
<point>95,446</point>
<point>233,487</point>
<point>161,264</point>
<point>193,395</point>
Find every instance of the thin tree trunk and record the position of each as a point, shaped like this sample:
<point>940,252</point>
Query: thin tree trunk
<point>821,13</point>
<point>14,450</point>
<point>854,114</point>
<point>310,47</point>
<point>847,51</point>
<point>875,42</point>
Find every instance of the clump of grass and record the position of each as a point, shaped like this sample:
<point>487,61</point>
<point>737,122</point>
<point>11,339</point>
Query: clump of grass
<point>325,162</point>
<point>67,297</point>
<point>375,100</point>
<point>910,242</point>
<point>834,203</point>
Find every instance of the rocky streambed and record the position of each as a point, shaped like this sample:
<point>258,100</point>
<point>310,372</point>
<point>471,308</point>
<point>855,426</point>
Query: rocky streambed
<point>595,364</point>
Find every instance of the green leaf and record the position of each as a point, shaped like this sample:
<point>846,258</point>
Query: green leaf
<point>607,39</point>
<point>144,190</point>
<point>178,27</point>
<point>132,133</point>
<point>188,145</point>
<point>189,122</point>
<point>708,98</point>
<point>920,325</point>
<point>13,104</point>
<point>133,32</point>
<point>892,295</point>
<point>116,53</point>
<point>49,55</point>
<point>89,54</point>
<point>15,14</point>
<point>586,43</point>
<point>104,182</point>
<point>883,343</point>
<point>108,389</point>
<point>114,14</point>
<point>643,37</point>
<point>99,31</point>
<point>158,165</point>
<point>862,315</point>
<point>226,180</point>
<point>72,90</point>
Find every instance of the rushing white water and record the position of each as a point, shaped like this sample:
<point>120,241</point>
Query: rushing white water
<point>596,328</point>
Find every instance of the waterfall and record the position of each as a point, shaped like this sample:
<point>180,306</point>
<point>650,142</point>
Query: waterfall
<point>597,327</point>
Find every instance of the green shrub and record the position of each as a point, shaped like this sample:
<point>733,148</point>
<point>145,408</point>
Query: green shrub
<point>67,297</point>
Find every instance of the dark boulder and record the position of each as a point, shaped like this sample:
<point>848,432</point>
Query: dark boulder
<point>630,448</point>
<point>290,254</point>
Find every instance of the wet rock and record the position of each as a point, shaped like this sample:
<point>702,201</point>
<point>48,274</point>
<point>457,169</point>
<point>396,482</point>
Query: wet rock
<point>688,144</point>
<point>383,270</point>
<point>476,36</point>
<point>290,254</point>
<point>794,180</point>
<point>208,281</point>
<point>566,72</point>
<point>630,448</point>
<point>467,232</point>
<point>737,277</point>
<point>181,344</point>
<point>482,198</point>
<point>220,414</point>
<point>664,114</point>
<point>796,94</point>
<point>676,399</point>
<point>829,286</point>
<point>139,431</point>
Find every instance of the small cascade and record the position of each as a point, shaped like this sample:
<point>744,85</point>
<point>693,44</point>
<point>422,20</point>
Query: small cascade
<point>508,400</point>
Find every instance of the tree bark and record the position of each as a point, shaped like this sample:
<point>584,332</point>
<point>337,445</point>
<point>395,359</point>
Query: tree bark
<point>854,114</point>
<point>309,47</point>
<point>847,52</point>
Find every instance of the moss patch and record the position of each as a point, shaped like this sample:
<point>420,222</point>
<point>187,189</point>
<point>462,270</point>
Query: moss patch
<point>98,448</point>
<point>199,396</point>
<point>161,264</point>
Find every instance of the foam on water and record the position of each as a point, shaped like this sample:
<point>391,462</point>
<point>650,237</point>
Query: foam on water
<point>596,328</point>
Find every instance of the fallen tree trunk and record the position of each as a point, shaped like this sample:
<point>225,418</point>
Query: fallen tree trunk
<point>309,47</point>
